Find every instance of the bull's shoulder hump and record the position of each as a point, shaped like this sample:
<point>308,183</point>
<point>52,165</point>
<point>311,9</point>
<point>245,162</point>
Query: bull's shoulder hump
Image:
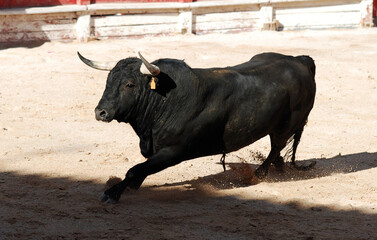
<point>168,62</point>
<point>173,67</point>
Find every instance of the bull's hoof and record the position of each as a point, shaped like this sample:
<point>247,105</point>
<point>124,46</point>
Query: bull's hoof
<point>105,198</point>
<point>279,164</point>
<point>261,173</point>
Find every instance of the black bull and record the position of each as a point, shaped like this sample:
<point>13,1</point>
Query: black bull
<point>200,112</point>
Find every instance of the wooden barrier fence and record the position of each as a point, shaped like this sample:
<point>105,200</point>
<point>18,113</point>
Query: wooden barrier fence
<point>114,20</point>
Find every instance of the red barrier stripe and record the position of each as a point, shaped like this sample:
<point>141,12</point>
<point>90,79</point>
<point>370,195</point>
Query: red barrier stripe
<point>42,3</point>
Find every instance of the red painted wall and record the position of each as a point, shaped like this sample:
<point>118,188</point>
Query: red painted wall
<point>40,3</point>
<point>374,8</point>
<point>118,1</point>
<point>29,3</point>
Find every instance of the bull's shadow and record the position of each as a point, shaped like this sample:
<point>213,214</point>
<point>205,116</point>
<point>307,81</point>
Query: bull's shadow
<point>45,207</point>
<point>22,44</point>
<point>242,174</point>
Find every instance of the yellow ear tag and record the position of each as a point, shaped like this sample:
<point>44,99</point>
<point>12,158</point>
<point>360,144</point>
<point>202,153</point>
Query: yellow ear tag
<point>153,83</point>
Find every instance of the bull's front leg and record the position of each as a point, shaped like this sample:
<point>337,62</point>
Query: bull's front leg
<point>136,175</point>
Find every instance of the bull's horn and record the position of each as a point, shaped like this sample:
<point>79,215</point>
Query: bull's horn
<point>152,69</point>
<point>105,66</point>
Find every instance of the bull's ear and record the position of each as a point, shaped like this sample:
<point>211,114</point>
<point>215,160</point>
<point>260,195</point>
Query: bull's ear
<point>148,68</point>
<point>164,84</point>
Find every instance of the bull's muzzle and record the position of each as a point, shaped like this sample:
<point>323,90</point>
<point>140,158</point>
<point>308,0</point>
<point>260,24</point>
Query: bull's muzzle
<point>102,115</point>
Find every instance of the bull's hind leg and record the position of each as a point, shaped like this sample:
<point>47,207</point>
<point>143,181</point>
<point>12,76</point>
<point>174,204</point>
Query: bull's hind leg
<point>279,139</point>
<point>279,163</point>
<point>277,144</point>
<point>296,141</point>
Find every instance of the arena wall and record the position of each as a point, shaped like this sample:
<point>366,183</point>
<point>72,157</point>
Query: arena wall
<point>116,20</point>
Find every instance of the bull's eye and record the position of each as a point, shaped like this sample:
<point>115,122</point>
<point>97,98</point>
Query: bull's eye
<point>130,85</point>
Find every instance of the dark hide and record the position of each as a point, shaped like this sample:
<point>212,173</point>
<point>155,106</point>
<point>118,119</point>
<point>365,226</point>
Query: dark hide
<point>201,112</point>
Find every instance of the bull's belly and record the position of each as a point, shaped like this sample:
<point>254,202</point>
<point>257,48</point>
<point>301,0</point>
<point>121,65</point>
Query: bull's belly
<point>238,138</point>
<point>231,140</point>
<point>239,133</point>
<point>241,128</point>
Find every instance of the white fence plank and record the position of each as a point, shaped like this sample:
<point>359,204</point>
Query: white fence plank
<point>230,16</point>
<point>124,31</point>
<point>319,17</point>
<point>207,27</point>
<point>322,9</point>
<point>37,36</point>
<point>10,25</point>
<point>137,19</point>
<point>319,20</point>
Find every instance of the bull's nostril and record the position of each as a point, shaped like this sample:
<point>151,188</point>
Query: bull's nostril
<point>103,114</point>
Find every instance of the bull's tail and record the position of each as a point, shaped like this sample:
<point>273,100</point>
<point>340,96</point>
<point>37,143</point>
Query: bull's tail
<point>309,62</point>
<point>292,148</point>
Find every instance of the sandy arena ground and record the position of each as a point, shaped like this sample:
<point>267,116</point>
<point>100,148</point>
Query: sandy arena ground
<point>55,158</point>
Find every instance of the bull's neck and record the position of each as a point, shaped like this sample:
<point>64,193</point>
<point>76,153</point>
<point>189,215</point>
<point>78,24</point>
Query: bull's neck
<point>146,112</point>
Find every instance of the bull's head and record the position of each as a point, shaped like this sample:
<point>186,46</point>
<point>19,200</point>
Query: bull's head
<point>126,82</point>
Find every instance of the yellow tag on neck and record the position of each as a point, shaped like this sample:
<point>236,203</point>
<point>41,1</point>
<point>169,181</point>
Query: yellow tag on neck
<point>153,83</point>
